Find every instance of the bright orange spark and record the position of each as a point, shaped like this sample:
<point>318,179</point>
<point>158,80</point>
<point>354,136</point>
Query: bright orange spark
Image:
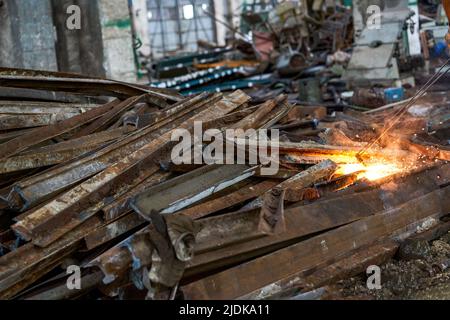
<point>371,172</point>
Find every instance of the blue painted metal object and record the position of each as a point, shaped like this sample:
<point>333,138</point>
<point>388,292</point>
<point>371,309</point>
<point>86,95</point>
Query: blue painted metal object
<point>394,94</point>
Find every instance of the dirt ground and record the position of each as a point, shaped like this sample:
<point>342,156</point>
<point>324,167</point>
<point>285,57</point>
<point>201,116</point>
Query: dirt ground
<point>419,271</point>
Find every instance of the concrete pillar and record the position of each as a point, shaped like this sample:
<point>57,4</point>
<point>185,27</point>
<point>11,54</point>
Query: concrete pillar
<point>37,34</point>
<point>221,12</point>
<point>79,51</point>
<point>10,48</point>
<point>27,29</point>
<point>67,44</point>
<point>117,40</point>
<point>227,11</point>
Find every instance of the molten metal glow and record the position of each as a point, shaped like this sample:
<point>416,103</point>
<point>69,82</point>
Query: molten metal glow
<point>371,172</point>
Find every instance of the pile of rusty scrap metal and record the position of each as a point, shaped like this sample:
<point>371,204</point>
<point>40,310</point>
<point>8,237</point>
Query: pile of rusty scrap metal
<point>274,46</point>
<point>87,181</point>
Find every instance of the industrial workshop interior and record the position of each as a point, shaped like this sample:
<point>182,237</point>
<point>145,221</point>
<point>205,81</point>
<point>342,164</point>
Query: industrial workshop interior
<point>203,151</point>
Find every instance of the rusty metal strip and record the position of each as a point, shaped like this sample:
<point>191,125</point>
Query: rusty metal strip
<point>4,137</point>
<point>23,263</point>
<point>50,74</point>
<point>259,117</point>
<point>272,219</point>
<point>61,152</point>
<point>35,107</point>
<point>183,191</point>
<point>28,278</point>
<point>109,117</point>
<point>225,230</point>
<point>113,230</point>
<point>313,153</point>
<point>229,200</point>
<point>307,178</point>
<point>122,205</point>
<point>23,121</point>
<point>82,85</point>
<point>41,159</point>
<point>48,291</point>
<point>278,114</point>
<point>94,139</point>
<point>34,137</point>
<point>39,95</point>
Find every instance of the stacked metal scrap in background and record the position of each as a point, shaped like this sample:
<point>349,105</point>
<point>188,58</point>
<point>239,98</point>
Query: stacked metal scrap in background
<point>87,180</point>
<point>275,46</point>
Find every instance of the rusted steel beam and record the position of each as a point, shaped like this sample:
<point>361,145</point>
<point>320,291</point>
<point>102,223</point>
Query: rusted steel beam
<point>69,210</point>
<point>63,75</point>
<point>40,159</point>
<point>10,93</point>
<point>297,259</point>
<point>29,278</point>
<point>293,190</point>
<point>23,121</point>
<point>229,200</point>
<point>28,255</point>
<point>229,120</point>
<point>34,137</point>
<point>227,229</point>
<point>16,115</point>
<point>122,205</point>
<point>277,114</point>
<point>36,107</point>
<point>259,117</point>
<point>102,122</point>
<point>13,134</point>
<point>356,263</point>
<point>94,139</point>
<point>27,264</point>
<point>186,190</point>
<point>118,260</point>
<point>59,291</point>
<point>430,150</point>
<point>82,85</point>
<point>337,184</point>
<point>307,178</point>
<point>313,153</point>
<point>113,230</point>
<point>60,152</point>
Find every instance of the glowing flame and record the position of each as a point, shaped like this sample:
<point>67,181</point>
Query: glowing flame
<point>371,172</point>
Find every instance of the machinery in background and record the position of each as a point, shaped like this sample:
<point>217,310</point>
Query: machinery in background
<point>387,46</point>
